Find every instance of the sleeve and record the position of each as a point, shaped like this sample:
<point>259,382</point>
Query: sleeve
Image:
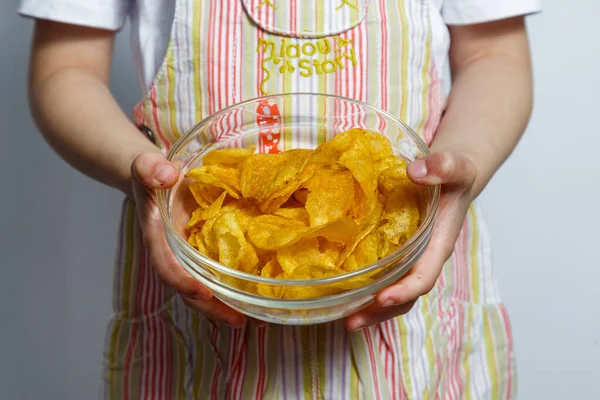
<point>465,12</point>
<point>103,14</point>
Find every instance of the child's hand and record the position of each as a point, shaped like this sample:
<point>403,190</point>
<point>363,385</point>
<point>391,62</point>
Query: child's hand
<point>456,174</point>
<point>152,171</point>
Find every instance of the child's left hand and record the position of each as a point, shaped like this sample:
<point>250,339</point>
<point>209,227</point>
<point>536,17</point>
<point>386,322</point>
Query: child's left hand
<point>456,174</point>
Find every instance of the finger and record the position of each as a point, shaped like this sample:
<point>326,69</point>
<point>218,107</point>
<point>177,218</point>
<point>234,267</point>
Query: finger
<point>443,168</point>
<point>217,310</point>
<point>375,314</point>
<point>423,276</point>
<point>154,171</point>
<point>165,264</point>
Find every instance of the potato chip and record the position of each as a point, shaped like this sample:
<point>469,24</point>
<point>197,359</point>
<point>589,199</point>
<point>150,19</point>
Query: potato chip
<point>263,229</point>
<point>263,175</point>
<point>234,249</point>
<point>301,196</point>
<point>393,174</point>
<point>208,236</point>
<point>203,176</point>
<point>349,249</point>
<point>205,194</point>
<point>272,232</point>
<point>271,269</point>
<point>281,196</point>
<point>365,210</point>
<point>343,230</point>
<point>227,174</point>
<point>229,156</point>
<point>378,145</point>
<point>331,196</point>
<point>200,215</point>
<point>401,216</point>
<point>365,253</point>
<point>308,252</point>
<point>295,213</point>
<point>192,238</point>
<point>195,239</point>
<point>329,152</point>
<point>360,162</point>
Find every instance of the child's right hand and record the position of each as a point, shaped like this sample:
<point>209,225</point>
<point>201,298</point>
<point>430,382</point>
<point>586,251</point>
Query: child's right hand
<point>152,171</point>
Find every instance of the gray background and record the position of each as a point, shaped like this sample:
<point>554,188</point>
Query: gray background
<point>57,228</point>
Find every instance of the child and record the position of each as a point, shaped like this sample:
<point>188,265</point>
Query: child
<point>441,331</point>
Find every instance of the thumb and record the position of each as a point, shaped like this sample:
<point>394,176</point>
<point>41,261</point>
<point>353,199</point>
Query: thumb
<point>443,167</point>
<point>154,171</point>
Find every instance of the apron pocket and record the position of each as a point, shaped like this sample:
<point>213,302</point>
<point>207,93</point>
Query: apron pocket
<point>306,18</point>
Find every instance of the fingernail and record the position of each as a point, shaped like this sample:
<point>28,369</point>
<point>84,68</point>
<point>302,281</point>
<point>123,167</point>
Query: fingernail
<point>418,169</point>
<point>388,303</point>
<point>165,173</point>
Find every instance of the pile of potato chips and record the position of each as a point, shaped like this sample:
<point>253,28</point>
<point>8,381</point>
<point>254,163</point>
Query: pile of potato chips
<point>304,214</point>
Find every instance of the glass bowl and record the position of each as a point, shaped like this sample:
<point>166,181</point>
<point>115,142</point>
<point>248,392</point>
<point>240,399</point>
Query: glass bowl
<point>277,123</point>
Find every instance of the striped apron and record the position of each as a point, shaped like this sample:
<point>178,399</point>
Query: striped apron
<point>455,343</point>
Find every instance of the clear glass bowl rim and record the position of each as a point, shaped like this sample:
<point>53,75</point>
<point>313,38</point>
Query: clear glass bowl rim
<point>163,199</point>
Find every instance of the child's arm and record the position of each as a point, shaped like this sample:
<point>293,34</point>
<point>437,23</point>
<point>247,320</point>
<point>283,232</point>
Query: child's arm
<point>73,107</point>
<point>488,109</point>
<point>79,117</point>
<point>491,98</point>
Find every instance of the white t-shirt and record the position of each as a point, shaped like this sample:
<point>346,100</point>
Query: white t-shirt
<point>151,22</point>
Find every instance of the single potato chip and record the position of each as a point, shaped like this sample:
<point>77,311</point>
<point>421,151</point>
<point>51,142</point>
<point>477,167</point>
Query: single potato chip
<point>393,175</point>
<point>234,249</point>
<point>205,194</point>
<point>202,175</point>
<point>272,232</point>
<point>192,238</point>
<point>365,210</point>
<point>227,174</point>
<point>360,162</point>
<point>268,176</point>
<point>365,253</point>
<point>295,213</point>
<point>349,249</point>
<point>263,229</point>
<point>308,252</point>
<point>401,216</point>
<point>200,215</point>
<point>229,156</point>
<point>331,196</point>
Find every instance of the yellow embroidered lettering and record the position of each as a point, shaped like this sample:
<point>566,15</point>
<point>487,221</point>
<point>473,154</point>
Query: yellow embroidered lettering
<point>305,67</point>
<point>317,65</point>
<point>306,51</point>
<point>315,60</point>
<point>268,3</point>
<point>324,46</point>
<point>286,67</point>
<point>351,56</point>
<point>295,53</point>
<point>329,66</point>
<point>266,46</point>
<point>341,42</point>
<point>346,3</point>
<point>283,47</point>
<point>266,78</point>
